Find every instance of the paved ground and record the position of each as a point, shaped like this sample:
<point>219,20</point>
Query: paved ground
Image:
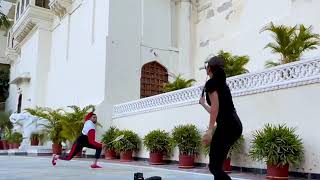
<point>26,168</point>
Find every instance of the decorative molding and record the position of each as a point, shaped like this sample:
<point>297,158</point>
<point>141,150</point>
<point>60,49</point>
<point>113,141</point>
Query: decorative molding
<point>32,17</point>
<point>299,73</point>
<point>12,54</point>
<point>24,77</point>
<point>60,7</point>
<point>4,60</point>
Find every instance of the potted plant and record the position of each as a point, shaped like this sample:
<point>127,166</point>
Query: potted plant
<point>278,146</point>
<point>188,140</point>
<point>235,148</point>
<point>34,139</point>
<point>50,120</point>
<point>16,139</point>
<point>5,126</point>
<point>9,139</point>
<point>107,139</point>
<point>6,135</point>
<point>127,145</point>
<point>158,143</point>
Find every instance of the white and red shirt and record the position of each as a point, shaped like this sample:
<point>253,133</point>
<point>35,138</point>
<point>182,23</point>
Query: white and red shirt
<point>89,129</point>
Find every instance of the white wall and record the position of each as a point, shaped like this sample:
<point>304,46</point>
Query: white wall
<point>78,56</point>
<point>3,45</point>
<point>158,35</point>
<point>157,23</point>
<point>297,107</point>
<point>151,32</point>
<point>26,63</point>
<point>238,32</point>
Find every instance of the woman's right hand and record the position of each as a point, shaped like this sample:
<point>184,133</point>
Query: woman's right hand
<point>202,100</point>
<point>207,137</point>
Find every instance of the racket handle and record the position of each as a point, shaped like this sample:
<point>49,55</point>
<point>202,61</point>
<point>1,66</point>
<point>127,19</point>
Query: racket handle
<point>202,94</point>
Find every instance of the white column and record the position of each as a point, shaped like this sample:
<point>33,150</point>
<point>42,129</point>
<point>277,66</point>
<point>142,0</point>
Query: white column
<point>184,29</point>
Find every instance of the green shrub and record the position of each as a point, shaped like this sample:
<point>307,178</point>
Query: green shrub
<point>277,145</point>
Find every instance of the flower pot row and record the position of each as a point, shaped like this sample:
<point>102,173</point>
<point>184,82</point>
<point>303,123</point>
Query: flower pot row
<point>188,140</point>
<point>158,142</point>
<point>11,140</point>
<point>6,145</point>
<point>125,156</point>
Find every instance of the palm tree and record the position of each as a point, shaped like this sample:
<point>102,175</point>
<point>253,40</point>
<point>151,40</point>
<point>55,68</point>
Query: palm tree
<point>290,42</point>
<point>234,65</point>
<point>51,121</point>
<point>72,122</point>
<point>178,83</point>
<point>3,19</point>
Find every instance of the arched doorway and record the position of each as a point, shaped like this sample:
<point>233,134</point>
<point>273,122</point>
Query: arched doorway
<point>153,78</point>
<point>19,103</point>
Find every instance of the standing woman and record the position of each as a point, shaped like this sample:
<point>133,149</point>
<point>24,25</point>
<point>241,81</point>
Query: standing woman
<point>222,114</point>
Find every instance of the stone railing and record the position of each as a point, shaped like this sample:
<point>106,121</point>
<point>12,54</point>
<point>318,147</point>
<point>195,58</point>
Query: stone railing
<point>285,76</point>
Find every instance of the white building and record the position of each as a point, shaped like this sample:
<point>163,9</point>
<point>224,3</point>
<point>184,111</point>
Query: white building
<point>65,52</point>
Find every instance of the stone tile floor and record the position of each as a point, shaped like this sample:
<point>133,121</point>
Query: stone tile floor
<point>26,168</point>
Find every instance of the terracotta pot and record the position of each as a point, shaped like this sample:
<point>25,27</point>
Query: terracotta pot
<point>34,142</point>
<point>5,145</point>
<point>274,172</point>
<point>110,154</point>
<point>56,149</point>
<point>227,165</point>
<point>10,145</point>
<point>126,156</point>
<point>186,161</point>
<point>156,158</point>
<point>15,145</point>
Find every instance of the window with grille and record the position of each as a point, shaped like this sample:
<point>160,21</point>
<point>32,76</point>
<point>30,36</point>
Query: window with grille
<point>42,3</point>
<point>153,78</point>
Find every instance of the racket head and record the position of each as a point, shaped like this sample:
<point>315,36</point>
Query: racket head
<point>119,137</point>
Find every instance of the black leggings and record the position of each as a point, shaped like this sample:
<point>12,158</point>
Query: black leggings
<point>81,142</point>
<point>222,140</point>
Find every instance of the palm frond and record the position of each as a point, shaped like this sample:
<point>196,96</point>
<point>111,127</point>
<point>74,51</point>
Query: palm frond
<point>234,65</point>
<point>270,64</point>
<point>291,42</point>
<point>178,83</point>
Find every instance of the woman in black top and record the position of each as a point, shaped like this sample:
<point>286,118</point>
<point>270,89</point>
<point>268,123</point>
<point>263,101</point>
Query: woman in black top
<point>222,114</point>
